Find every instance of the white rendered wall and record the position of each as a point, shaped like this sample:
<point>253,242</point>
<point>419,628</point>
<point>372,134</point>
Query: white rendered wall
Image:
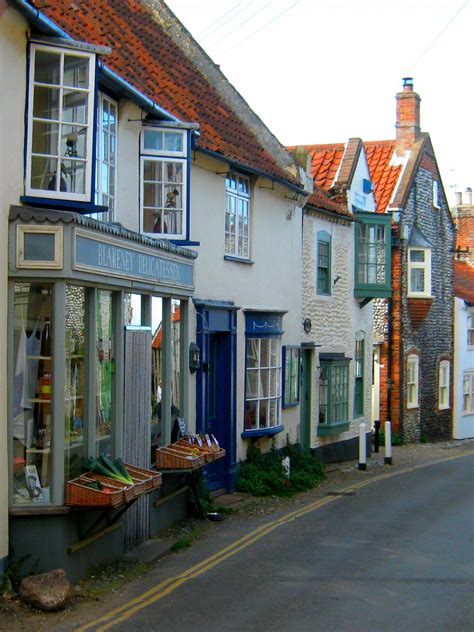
<point>12,108</point>
<point>463,425</point>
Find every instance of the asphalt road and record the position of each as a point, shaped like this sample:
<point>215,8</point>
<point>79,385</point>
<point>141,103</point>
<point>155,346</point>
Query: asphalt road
<point>395,554</point>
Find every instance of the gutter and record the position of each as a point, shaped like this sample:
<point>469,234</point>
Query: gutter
<point>239,165</point>
<point>47,26</point>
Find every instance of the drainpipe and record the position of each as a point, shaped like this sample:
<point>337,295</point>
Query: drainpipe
<point>389,359</point>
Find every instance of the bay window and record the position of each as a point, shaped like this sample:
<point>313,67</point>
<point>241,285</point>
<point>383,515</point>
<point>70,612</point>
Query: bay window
<point>60,123</point>
<point>164,169</point>
<point>333,395</point>
<point>372,255</point>
<point>470,329</point>
<point>106,152</point>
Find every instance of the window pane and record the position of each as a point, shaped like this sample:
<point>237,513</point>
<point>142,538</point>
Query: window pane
<point>74,174</point>
<point>46,103</point>
<point>105,372</point>
<point>43,174</point>
<point>417,256</point>
<point>47,67</point>
<point>73,141</point>
<point>75,107</point>
<point>153,140</point>
<point>74,405</point>
<point>152,170</point>
<point>45,138</point>
<point>417,276</point>
<point>252,384</point>
<point>253,352</point>
<point>32,421</point>
<point>76,71</point>
<point>173,141</point>
<point>251,415</point>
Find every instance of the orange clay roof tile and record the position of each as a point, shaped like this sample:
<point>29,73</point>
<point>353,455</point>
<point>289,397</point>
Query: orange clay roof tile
<point>145,53</point>
<point>464,281</point>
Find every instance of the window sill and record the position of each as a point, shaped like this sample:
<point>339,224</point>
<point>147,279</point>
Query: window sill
<point>262,432</point>
<point>64,205</point>
<point>327,430</point>
<point>413,406</point>
<point>290,405</point>
<point>39,510</point>
<point>247,262</point>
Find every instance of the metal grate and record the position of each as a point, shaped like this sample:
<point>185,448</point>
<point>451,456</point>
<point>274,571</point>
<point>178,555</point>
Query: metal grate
<point>137,425</point>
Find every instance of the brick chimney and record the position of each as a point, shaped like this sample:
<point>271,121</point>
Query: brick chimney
<point>464,220</point>
<point>408,116</point>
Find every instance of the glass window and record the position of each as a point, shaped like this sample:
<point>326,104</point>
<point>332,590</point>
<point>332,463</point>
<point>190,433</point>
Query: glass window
<point>32,393</point>
<point>60,123</point>
<point>75,441</point>
<point>263,383</point>
<point>106,158</point>
<point>371,267</point>
<point>291,376</point>
<point>419,272</point>
<point>105,373</point>
<point>435,194</point>
<point>359,378</point>
<point>334,392</point>
<point>468,393</point>
<point>443,385</point>
<point>163,196</point>
<point>412,381</point>
<point>237,215</point>
<point>323,254</point>
<point>470,330</point>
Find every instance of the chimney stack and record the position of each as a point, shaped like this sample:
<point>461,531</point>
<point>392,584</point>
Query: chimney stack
<point>468,196</point>
<point>408,116</point>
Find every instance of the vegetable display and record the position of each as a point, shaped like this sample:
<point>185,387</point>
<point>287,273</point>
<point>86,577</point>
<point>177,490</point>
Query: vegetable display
<point>106,467</point>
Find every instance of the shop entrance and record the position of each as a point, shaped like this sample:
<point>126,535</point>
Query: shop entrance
<point>215,401</point>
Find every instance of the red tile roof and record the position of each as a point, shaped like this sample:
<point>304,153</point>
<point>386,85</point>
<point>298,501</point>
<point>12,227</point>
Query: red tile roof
<point>464,281</point>
<point>384,177</point>
<point>321,200</point>
<point>145,38</point>
<point>326,162</point>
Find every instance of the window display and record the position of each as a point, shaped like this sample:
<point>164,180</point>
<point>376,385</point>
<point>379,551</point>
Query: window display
<point>32,395</point>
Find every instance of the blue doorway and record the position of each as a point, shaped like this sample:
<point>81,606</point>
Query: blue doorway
<point>215,382</point>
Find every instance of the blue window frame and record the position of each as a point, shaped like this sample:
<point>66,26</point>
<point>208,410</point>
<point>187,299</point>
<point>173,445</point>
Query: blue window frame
<point>263,373</point>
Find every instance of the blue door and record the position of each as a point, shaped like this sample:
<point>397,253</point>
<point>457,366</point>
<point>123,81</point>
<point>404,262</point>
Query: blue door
<point>215,396</point>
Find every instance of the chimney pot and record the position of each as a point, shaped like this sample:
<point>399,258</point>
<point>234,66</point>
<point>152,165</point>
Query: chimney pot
<point>469,196</point>
<point>407,84</point>
<point>458,198</point>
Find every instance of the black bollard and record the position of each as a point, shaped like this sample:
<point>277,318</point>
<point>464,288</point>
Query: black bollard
<point>377,435</point>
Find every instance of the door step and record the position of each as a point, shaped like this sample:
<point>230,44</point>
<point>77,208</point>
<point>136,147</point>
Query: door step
<point>217,492</point>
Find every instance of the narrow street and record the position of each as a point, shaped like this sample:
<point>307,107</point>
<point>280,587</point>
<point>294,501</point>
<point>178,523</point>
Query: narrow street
<point>391,553</point>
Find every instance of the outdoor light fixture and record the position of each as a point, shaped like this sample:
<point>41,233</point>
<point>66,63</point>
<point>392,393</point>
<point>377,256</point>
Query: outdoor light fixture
<point>194,357</point>
<point>307,325</point>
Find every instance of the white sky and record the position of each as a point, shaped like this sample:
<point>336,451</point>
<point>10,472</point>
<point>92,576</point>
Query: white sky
<point>322,71</point>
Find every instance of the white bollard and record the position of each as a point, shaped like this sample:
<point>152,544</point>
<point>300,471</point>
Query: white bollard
<point>362,447</point>
<point>388,443</point>
<point>286,466</point>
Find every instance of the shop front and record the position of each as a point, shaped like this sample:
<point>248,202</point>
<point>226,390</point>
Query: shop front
<point>84,300</point>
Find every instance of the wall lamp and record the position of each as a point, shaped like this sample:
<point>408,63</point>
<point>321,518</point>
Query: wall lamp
<point>194,357</point>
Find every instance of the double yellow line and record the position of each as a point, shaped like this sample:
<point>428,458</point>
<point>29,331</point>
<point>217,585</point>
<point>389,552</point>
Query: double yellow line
<point>172,583</point>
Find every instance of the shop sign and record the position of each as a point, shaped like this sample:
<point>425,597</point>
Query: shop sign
<point>111,258</point>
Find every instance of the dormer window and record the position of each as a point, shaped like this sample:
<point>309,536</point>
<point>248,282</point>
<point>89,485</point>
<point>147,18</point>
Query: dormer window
<point>60,123</point>
<point>164,169</point>
<point>419,272</point>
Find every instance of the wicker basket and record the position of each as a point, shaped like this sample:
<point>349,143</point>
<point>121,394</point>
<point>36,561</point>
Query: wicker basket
<point>169,458</point>
<point>129,490</point>
<point>152,478</point>
<point>203,450</point>
<point>79,495</point>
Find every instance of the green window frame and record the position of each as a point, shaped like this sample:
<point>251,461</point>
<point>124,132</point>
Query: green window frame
<point>323,263</point>
<point>333,397</point>
<point>359,359</point>
<point>372,255</point>
<point>291,376</point>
